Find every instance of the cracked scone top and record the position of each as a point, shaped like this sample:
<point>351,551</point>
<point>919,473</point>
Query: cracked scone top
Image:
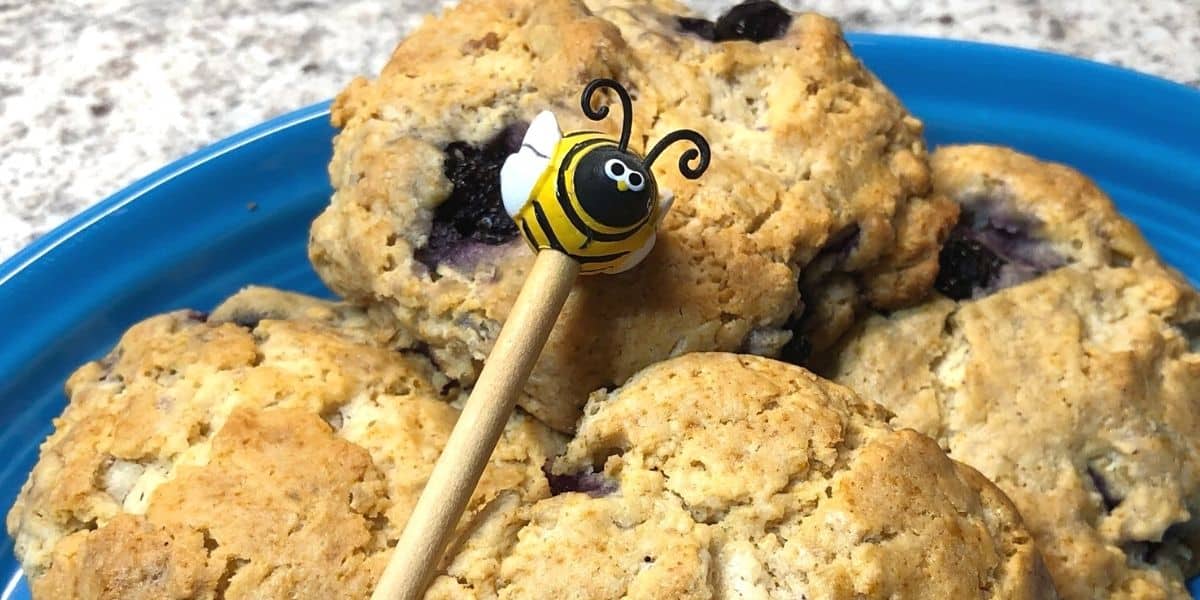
<point>270,450</point>
<point>1067,374</point>
<point>818,188</point>
<point>717,475</point>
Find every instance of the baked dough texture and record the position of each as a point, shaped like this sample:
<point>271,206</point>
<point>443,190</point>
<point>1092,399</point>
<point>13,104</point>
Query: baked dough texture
<point>818,200</point>
<point>278,457</point>
<point>729,476</point>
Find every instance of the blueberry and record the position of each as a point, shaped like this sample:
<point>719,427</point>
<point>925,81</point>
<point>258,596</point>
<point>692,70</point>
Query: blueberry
<point>510,137</point>
<point>474,212</point>
<point>588,482</point>
<point>992,247</point>
<point>474,209</point>
<point>1010,235</point>
<point>756,21</point>
<point>196,315</point>
<point>964,266</point>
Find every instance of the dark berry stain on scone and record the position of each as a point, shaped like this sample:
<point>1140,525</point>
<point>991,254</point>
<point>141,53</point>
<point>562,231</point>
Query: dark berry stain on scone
<point>423,350</point>
<point>1107,496</point>
<point>1143,552</point>
<point>798,349</point>
<point>420,349</point>
<point>1172,547</point>
<point>248,318</point>
<point>842,243</point>
<point>1191,332</point>
<point>756,21</point>
<point>107,365</point>
<point>992,248</point>
<point>837,249</point>
<point>699,27</point>
<point>474,212</point>
<point>588,482</point>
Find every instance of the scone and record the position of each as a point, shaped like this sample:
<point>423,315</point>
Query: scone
<point>818,195</point>
<point>719,475</point>
<point>1067,372</point>
<point>267,450</point>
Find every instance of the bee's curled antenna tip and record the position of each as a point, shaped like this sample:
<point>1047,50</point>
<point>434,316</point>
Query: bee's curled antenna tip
<point>701,154</point>
<point>601,112</point>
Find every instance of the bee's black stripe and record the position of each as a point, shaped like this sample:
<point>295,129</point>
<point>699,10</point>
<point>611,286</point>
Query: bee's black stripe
<point>529,233</point>
<point>564,199</point>
<point>554,243</point>
<point>600,258</point>
<point>544,223</point>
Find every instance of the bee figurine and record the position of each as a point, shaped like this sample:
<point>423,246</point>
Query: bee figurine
<point>588,195</point>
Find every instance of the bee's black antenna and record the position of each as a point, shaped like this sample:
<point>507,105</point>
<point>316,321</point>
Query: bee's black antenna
<point>701,152</point>
<point>600,113</point>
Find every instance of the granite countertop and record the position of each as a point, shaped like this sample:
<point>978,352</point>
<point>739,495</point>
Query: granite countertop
<point>97,93</point>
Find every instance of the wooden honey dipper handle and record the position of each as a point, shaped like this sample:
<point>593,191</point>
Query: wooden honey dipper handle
<point>452,482</point>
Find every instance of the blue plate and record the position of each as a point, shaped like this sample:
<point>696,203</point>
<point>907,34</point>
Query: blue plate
<point>238,212</point>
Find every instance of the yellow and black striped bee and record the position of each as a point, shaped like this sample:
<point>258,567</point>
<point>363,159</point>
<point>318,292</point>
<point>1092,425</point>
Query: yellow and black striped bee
<point>588,195</point>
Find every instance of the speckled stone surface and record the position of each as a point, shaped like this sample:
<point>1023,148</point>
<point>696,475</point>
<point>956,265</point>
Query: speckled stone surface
<point>96,93</point>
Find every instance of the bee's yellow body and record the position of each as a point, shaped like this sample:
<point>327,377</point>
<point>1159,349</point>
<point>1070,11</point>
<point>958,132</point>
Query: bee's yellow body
<point>555,218</point>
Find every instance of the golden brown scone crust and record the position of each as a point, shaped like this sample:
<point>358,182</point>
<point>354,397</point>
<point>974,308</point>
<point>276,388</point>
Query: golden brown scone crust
<point>731,476</point>
<point>279,458</point>
<point>253,304</point>
<point>819,184</point>
<point>1077,392</point>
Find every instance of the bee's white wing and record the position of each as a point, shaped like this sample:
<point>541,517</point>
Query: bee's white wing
<point>666,198</point>
<point>517,178</point>
<point>522,170</point>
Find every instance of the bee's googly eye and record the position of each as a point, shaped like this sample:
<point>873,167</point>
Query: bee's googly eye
<point>636,181</point>
<point>615,169</point>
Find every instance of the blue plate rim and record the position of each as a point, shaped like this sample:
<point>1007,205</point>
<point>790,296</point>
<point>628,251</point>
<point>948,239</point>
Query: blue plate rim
<point>46,243</point>
<point>43,245</point>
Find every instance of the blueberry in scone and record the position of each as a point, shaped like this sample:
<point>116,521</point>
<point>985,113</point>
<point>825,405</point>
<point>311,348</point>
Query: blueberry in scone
<point>273,449</point>
<point>755,21</point>
<point>1021,218</point>
<point>473,213</point>
<point>743,477</point>
<point>1076,389</point>
<point>817,201</point>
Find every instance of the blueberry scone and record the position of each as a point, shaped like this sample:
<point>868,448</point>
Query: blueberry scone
<point>818,198</point>
<point>268,450</point>
<point>718,475</point>
<point>1061,362</point>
